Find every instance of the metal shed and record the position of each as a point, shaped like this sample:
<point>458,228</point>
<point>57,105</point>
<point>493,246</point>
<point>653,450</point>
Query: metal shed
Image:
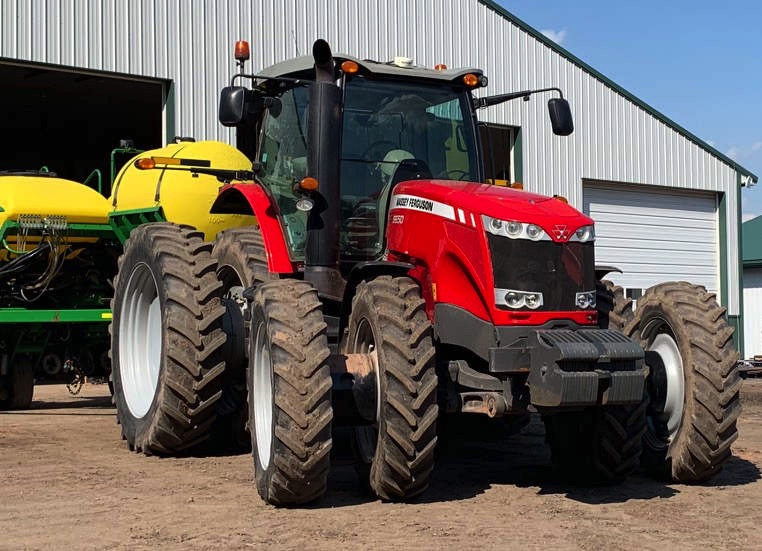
<point>752,287</point>
<point>667,204</point>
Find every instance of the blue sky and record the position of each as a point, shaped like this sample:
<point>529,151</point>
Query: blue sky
<point>698,62</point>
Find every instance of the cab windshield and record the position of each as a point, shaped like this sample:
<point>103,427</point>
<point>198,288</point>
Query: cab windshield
<point>395,131</point>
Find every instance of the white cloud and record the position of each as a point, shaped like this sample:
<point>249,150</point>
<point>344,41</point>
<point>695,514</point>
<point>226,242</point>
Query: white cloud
<point>556,36</point>
<point>746,216</point>
<point>741,152</point>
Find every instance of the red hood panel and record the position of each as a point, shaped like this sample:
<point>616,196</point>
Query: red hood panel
<point>497,202</point>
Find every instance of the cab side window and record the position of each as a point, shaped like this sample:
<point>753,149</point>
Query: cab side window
<point>283,157</point>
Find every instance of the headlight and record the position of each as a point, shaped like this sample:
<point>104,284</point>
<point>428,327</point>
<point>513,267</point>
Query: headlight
<point>585,300</point>
<point>534,232</point>
<point>518,299</point>
<point>514,229</point>
<point>584,234</point>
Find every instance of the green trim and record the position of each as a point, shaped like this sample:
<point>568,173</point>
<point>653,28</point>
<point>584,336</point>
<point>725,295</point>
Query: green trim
<point>169,112</point>
<point>751,245</point>
<point>518,156</point>
<point>124,221</point>
<point>611,84</point>
<point>72,230</point>
<point>23,315</point>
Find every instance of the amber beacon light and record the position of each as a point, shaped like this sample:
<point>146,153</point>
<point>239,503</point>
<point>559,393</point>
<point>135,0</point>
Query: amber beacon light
<point>242,52</point>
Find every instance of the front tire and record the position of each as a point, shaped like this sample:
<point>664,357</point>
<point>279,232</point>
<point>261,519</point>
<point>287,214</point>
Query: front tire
<point>289,384</point>
<point>166,339</point>
<point>693,384</point>
<point>389,322</point>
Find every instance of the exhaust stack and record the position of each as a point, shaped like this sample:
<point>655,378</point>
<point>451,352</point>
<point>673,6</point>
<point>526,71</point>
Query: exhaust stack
<point>323,152</point>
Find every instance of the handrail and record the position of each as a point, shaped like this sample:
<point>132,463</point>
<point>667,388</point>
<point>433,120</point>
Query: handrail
<point>96,172</point>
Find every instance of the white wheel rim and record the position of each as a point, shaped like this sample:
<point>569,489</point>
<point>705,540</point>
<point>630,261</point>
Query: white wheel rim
<point>667,348</point>
<point>140,340</point>
<point>233,284</point>
<point>262,396</point>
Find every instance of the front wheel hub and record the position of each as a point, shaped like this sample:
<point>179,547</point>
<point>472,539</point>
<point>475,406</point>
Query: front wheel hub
<point>262,387</point>
<point>140,341</point>
<point>666,384</point>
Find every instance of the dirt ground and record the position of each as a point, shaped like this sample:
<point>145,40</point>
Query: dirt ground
<point>67,481</point>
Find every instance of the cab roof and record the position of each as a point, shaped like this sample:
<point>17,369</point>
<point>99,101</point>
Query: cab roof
<point>303,67</point>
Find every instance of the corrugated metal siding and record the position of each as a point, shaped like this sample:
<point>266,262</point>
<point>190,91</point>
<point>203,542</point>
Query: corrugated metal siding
<point>190,43</point>
<point>752,311</point>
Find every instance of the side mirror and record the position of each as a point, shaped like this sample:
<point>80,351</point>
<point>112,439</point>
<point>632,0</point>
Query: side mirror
<point>232,105</point>
<point>560,116</point>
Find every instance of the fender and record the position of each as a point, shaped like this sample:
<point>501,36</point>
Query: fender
<point>603,271</point>
<point>251,199</point>
<point>368,270</point>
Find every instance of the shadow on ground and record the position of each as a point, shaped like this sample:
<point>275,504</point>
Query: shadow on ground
<point>469,462</point>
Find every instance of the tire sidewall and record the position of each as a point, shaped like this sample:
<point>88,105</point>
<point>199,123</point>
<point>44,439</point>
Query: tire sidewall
<point>137,252</point>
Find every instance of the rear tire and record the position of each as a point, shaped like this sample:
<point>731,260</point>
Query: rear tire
<point>241,263</point>
<point>693,385</point>
<point>20,385</point>
<point>289,384</point>
<point>167,339</point>
<point>389,321</point>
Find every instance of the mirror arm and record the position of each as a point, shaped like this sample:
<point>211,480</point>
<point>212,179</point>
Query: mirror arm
<point>297,81</point>
<point>502,98</point>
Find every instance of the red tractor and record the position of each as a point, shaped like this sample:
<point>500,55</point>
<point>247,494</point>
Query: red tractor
<point>385,283</point>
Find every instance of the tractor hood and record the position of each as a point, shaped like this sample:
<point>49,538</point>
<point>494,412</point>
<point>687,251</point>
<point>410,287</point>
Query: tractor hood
<point>497,202</point>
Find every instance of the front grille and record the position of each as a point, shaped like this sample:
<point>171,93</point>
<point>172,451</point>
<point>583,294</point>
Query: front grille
<point>558,270</point>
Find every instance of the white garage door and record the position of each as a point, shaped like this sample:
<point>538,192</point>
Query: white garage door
<point>752,312</point>
<point>655,235</point>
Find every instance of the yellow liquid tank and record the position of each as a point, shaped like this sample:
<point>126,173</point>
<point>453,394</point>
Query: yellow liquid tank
<point>183,197</point>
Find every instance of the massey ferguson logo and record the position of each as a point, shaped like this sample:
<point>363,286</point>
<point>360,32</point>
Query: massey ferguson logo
<point>561,232</point>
